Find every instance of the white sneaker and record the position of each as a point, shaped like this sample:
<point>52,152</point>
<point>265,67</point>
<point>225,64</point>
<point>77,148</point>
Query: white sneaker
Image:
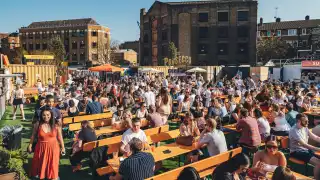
<point>14,117</point>
<point>23,119</point>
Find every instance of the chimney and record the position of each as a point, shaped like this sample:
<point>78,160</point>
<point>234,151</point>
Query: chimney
<point>278,19</point>
<point>261,21</point>
<point>307,17</point>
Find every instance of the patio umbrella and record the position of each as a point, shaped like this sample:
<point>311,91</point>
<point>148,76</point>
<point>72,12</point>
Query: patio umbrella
<point>106,68</point>
<point>149,70</point>
<point>197,69</point>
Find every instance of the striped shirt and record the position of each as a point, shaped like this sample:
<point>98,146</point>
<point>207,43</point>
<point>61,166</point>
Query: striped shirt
<point>138,166</point>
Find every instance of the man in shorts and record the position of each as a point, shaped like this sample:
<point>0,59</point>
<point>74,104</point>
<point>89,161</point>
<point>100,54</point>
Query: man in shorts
<point>299,147</point>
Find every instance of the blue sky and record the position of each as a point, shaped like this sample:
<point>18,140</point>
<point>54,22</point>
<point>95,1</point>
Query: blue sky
<point>121,16</point>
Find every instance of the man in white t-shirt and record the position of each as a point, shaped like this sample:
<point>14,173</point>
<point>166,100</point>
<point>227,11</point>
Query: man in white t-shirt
<point>149,97</point>
<point>134,131</point>
<point>165,82</point>
<point>299,146</point>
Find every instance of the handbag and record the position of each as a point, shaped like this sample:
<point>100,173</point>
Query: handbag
<point>185,140</point>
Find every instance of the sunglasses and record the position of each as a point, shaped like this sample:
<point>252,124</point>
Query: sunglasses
<point>271,147</point>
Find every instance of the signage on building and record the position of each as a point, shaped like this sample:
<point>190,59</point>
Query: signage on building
<point>315,63</point>
<point>43,57</point>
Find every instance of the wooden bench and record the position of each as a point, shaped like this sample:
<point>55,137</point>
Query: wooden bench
<point>205,167</point>
<point>78,119</point>
<point>93,124</point>
<point>117,139</point>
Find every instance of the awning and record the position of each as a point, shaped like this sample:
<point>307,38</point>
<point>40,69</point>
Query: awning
<point>106,68</point>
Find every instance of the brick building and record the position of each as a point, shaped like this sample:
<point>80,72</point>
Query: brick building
<point>134,45</point>
<point>85,40</point>
<point>213,32</point>
<point>299,34</point>
<point>9,42</point>
<point>124,57</point>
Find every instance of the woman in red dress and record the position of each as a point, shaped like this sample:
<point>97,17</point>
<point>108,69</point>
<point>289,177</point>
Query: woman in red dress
<point>45,162</point>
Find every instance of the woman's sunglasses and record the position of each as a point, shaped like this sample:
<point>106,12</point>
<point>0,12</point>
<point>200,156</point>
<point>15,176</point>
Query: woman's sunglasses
<point>271,147</point>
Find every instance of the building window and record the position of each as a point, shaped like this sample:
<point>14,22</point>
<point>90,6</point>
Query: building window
<point>146,38</point>
<point>37,46</point>
<point>146,51</point>
<point>164,51</point>
<point>164,35</point>
<point>243,15</point>
<point>94,57</point>
<point>268,33</point>
<point>223,16</point>
<point>24,46</point>
<point>74,33</point>
<point>74,57</point>
<point>30,36</point>
<point>242,48</point>
<point>304,43</point>
<point>74,45</point>
<point>94,45</point>
<point>203,32</point>
<point>81,33</point>
<point>44,46</point>
<point>292,32</point>
<point>44,35</point>
<point>30,47</point>
<point>82,45</point>
<point>222,49</point>
<point>37,35</point>
<point>203,17</point>
<point>94,33</point>
<point>243,32</point>
<point>202,49</point>
<point>279,33</point>
<point>223,32</point>
<point>304,31</point>
<point>82,56</point>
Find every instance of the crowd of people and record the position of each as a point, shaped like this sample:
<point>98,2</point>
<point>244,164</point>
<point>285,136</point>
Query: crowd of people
<point>207,106</point>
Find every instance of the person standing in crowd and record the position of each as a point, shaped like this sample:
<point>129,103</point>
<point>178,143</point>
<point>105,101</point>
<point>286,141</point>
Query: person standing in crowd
<point>17,99</point>
<point>269,159</point>
<point>164,104</point>
<point>213,138</point>
<point>139,165</point>
<point>250,135</point>
<point>45,162</point>
<point>86,134</point>
<point>133,132</point>
<point>94,107</point>
<point>233,169</point>
<point>149,97</point>
<point>299,146</point>
<point>50,105</point>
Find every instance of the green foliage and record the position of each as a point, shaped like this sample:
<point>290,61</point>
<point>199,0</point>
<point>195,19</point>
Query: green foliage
<point>56,46</point>
<point>271,48</point>
<point>173,51</point>
<point>13,161</point>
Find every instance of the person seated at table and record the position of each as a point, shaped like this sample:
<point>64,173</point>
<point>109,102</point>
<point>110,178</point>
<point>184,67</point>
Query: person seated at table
<point>139,165</point>
<point>117,117</point>
<point>279,99</point>
<point>142,112</point>
<point>184,106</point>
<point>215,109</point>
<point>249,128</point>
<point>306,104</point>
<point>233,169</point>
<point>189,128</point>
<point>269,159</point>
<point>155,118</point>
<point>94,107</point>
<point>61,104</point>
<point>72,109</point>
<point>283,173</point>
<point>235,115</point>
<point>86,134</point>
<point>263,124</point>
<point>199,117</point>
<point>213,138</point>
<point>231,105</point>
<point>291,114</point>
<point>132,132</point>
<point>189,173</point>
<point>300,149</point>
<point>277,116</point>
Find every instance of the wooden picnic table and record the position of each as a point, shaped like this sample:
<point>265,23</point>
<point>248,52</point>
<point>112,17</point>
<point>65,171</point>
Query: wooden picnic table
<point>297,175</point>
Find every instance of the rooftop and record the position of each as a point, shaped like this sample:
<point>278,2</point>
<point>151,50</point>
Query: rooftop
<point>290,24</point>
<point>204,2</point>
<point>63,23</point>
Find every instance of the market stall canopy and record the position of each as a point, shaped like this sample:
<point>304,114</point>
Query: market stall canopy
<point>149,70</point>
<point>197,69</point>
<point>106,68</point>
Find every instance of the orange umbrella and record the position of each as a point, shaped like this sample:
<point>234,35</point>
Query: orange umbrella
<point>106,68</point>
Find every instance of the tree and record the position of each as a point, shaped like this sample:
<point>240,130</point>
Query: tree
<point>173,51</point>
<point>271,48</point>
<point>106,49</point>
<point>175,58</point>
<point>56,47</point>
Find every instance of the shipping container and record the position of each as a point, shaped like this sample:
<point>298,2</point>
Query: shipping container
<point>33,72</point>
<point>259,73</point>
